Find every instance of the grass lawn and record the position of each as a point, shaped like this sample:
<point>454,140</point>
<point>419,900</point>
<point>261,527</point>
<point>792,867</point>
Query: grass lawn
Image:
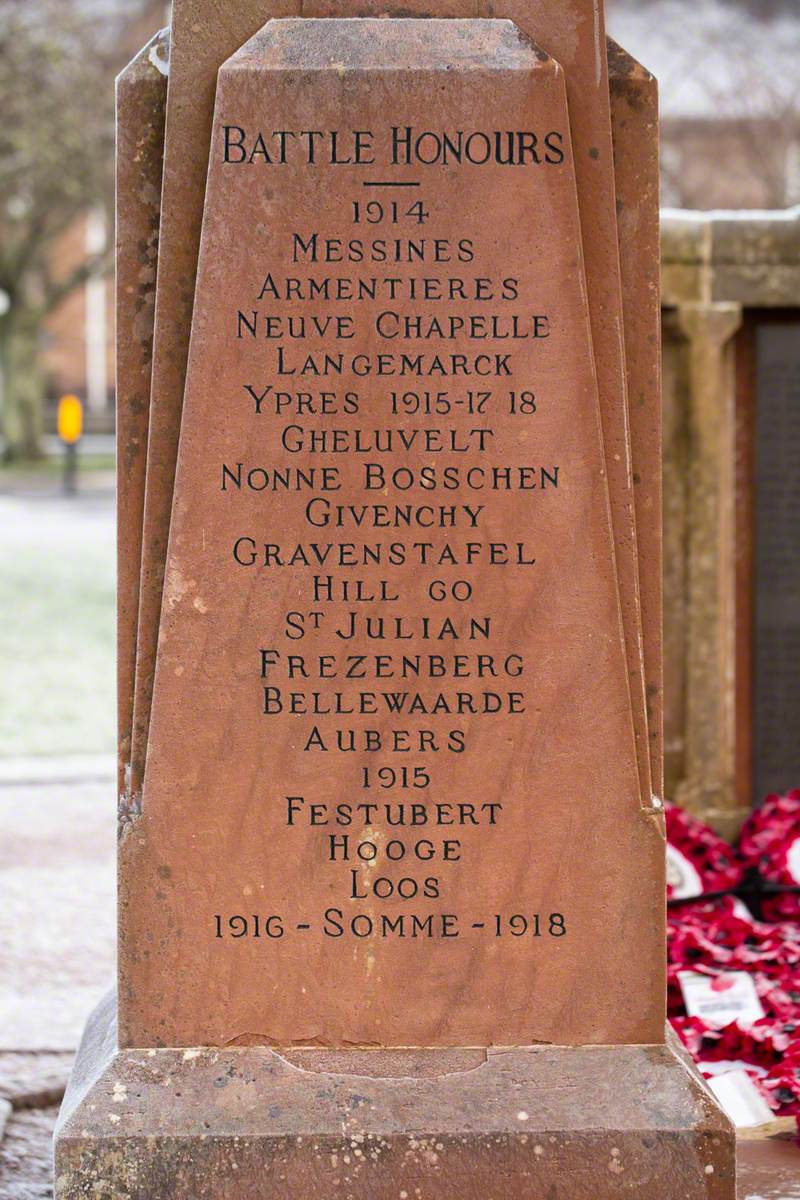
<point>52,468</point>
<point>57,651</point>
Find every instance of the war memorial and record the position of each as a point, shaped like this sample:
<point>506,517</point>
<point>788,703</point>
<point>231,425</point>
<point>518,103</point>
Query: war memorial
<point>391,827</point>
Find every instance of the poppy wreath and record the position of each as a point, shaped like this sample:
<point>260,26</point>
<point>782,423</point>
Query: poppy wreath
<point>712,931</point>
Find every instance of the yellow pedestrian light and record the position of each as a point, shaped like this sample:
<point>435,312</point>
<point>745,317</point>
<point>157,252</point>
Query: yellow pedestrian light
<point>70,420</point>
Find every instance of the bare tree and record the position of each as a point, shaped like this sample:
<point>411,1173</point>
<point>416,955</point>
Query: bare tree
<point>760,108</point>
<point>730,93</point>
<point>56,154</point>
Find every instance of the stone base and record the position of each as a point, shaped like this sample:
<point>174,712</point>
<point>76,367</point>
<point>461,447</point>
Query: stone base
<point>249,1123</point>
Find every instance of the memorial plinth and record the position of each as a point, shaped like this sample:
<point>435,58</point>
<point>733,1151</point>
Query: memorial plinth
<point>556,1123</point>
<point>392,887</point>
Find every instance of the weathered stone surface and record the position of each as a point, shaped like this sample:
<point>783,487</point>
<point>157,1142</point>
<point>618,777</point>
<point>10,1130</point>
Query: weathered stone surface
<point>710,749</point>
<point>573,834</point>
<point>634,117</point>
<point>752,258</point>
<point>587,1123</point>
<point>141,109</point>
<point>745,264</point>
<point>203,35</point>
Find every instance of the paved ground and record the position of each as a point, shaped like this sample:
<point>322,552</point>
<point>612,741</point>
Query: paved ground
<point>769,1169</point>
<point>57,917</point>
<point>57,844</point>
<point>25,1166</point>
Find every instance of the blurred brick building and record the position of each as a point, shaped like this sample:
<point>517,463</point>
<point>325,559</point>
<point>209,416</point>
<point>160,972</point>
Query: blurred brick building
<point>79,341</point>
<point>730,96</point>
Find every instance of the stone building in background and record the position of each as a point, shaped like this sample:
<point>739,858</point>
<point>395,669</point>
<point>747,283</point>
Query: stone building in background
<point>731,320</point>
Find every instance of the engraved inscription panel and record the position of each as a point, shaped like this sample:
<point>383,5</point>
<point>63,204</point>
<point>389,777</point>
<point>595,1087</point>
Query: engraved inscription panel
<point>391,795</point>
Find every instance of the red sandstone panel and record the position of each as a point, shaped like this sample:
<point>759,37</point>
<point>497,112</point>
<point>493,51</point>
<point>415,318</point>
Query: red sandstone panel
<point>465,641</point>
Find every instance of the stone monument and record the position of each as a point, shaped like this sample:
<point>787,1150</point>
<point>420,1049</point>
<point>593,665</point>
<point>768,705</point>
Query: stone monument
<point>391,852</point>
